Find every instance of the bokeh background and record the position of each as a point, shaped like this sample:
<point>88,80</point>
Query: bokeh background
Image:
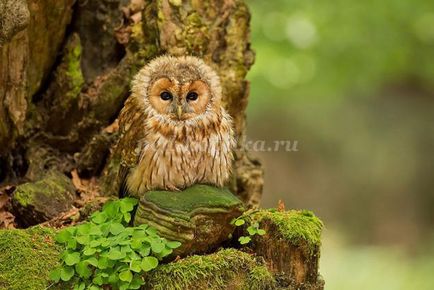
<point>353,82</point>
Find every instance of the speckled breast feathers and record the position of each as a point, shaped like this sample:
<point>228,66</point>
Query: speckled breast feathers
<point>174,130</point>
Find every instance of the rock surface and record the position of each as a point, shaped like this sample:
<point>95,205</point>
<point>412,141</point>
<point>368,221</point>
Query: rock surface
<point>198,217</point>
<point>40,201</point>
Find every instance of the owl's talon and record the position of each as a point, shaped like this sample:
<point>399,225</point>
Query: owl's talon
<point>173,188</point>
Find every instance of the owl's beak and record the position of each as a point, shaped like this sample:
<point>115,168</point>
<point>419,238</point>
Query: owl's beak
<point>179,112</point>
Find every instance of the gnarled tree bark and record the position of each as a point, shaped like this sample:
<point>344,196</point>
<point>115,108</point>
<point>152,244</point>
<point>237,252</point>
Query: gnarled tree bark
<point>65,69</point>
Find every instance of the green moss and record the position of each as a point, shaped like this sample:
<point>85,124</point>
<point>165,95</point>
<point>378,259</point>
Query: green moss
<point>194,197</point>
<point>297,226</point>
<point>195,34</point>
<point>137,32</point>
<point>73,67</point>
<point>259,278</point>
<point>214,271</point>
<point>145,35</point>
<point>26,258</point>
<point>25,196</point>
<point>46,189</point>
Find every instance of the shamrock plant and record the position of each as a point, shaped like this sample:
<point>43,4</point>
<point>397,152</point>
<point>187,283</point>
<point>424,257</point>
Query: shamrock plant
<point>105,251</point>
<point>252,229</point>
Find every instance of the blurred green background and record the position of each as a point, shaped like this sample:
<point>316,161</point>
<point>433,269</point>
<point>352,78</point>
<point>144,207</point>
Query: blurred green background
<point>353,83</point>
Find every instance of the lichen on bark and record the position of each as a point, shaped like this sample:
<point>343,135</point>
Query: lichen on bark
<point>14,17</point>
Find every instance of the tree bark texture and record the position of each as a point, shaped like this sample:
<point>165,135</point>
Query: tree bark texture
<point>66,66</point>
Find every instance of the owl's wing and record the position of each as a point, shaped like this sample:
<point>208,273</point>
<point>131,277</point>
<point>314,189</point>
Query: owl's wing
<point>132,132</point>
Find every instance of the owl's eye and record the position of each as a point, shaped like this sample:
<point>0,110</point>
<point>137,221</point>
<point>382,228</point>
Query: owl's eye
<point>192,96</point>
<point>166,96</point>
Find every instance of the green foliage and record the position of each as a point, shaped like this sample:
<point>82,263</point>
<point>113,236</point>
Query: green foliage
<point>244,240</point>
<point>105,251</point>
<point>252,229</point>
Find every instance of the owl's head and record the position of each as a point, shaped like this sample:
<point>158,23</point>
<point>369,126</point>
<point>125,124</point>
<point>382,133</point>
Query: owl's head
<point>178,88</point>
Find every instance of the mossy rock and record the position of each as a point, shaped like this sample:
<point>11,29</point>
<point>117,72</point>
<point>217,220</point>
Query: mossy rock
<point>291,245</point>
<point>27,257</point>
<point>43,200</point>
<point>199,217</point>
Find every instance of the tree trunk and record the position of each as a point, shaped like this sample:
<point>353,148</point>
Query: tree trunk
<point>65,69</point>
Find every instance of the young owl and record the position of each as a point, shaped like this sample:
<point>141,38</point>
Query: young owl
<point>174,130</point>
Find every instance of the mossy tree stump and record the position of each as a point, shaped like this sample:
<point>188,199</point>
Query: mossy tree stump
<point>65,69</point>
<point>290,247</point>
<point>61,88</point>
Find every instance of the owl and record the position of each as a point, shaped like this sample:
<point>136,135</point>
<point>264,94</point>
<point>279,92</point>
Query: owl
<point>174,131</point>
